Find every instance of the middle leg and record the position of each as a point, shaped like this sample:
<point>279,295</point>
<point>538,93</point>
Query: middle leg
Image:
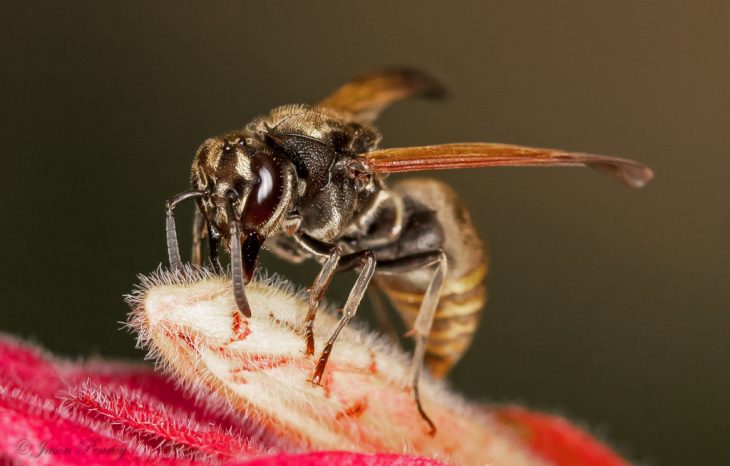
<point>366,261</point>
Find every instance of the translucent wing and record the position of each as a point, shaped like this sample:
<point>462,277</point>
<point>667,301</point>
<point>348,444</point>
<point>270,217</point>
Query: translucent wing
<point>473,155</point>
<point>368,95</point>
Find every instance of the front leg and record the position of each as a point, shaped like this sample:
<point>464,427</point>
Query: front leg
<point>334,262</point>
<point>173,251</point>
<point>199,230</point>
<point>202,227</point>
<point>332,253</point>
<point>214,237</point>
<point>365,260</point>
<point>316,291</point>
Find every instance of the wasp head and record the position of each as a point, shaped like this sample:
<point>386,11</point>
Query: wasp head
<point>247,190</point>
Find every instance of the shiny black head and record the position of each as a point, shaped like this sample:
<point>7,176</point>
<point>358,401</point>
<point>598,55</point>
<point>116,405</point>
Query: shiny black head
<point>247,188</point>
<point>243,190</point>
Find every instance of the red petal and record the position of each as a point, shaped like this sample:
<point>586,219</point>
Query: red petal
<point>103,413</point>
<point>339,458</point>
<point>556,440</point>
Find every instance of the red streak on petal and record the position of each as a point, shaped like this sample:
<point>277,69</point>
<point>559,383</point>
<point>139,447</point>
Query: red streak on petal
<point>179,335</point>
<point>256,362</point>
<point>326,383</point>
<point>187,339</point>
<point>240,328</point>
<point>236,322</point>
<point>287,325</point>
<point>373,367</point>
<point>355,410</point>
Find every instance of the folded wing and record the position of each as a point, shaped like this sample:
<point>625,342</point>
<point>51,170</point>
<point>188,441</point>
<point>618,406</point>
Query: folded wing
<point>474,155</point>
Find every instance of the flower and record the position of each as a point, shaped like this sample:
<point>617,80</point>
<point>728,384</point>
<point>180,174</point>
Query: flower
<point>237,391</point>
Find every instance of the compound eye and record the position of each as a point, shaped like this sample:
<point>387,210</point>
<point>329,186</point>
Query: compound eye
<point>266,194</point>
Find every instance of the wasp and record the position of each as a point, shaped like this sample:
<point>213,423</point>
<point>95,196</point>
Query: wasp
<point>309,182</point>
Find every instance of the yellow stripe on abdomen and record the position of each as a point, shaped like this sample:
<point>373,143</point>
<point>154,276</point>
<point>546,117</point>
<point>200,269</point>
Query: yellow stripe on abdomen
<point>457,316</point>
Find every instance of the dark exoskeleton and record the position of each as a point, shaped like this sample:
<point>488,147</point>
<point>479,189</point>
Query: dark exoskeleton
<point>309,182</point>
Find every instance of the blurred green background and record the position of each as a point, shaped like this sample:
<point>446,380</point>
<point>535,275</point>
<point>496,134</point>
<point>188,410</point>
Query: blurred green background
<point>607,305</point>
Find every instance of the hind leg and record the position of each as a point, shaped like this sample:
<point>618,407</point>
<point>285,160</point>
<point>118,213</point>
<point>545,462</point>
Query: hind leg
<point>427,311</point>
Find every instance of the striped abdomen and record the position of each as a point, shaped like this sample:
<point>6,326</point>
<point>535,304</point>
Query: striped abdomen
<point>463,294</point>
<point>457,317</point>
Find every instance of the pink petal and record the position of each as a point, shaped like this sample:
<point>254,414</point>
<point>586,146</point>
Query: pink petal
<point>52,412</point>
<point>102,413</point>
<point>339,458</point>
<point>98,412</point>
